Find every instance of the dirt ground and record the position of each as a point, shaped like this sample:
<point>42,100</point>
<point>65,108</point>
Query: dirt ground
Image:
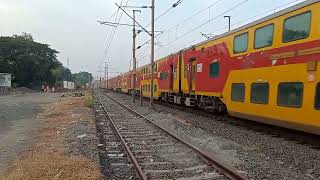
<point>57,143</point>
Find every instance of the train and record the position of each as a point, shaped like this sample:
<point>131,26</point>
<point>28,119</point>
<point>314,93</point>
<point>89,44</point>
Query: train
<point>266,71</point>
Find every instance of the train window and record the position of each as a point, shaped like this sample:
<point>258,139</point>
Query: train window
<point>260,93</point>
<point>155,88</point>
<point>186,71</point>
<point>290,94</point>
<point>263,37</point>
<point>297,27</point>
<point>164,76</point>
<point>317,100</point>
<point>238,92</point>
<point>214,70</point>
<point>241,43</point>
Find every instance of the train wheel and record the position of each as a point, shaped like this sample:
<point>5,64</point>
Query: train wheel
<point>222,109</point>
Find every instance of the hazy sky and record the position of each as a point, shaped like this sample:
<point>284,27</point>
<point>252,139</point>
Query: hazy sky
<point>70,26</point>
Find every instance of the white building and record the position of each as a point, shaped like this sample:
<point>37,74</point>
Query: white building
<point>5,80</point>
<point>68,85</point>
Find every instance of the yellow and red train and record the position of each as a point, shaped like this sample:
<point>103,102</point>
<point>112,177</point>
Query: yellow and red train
<point>266,71</point>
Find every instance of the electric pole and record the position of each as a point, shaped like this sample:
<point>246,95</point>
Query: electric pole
<point>105,74</point>
<point>229,19</point>
<point>152,51</point>
<point>134,57</point>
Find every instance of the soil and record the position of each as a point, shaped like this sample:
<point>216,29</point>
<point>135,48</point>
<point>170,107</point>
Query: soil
<point>59,141</point>
<point>18,118</point>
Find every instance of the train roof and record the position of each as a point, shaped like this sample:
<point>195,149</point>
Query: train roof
<point>259,21</point>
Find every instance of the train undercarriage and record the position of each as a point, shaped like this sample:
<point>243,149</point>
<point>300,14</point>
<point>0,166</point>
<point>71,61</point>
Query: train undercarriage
<point>213,104</point>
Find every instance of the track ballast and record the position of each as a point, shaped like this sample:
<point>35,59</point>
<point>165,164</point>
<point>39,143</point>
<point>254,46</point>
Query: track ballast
<point>137,144</point>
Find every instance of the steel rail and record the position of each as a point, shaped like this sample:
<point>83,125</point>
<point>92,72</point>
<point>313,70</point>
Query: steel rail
<point>124,144</point>
<point>226,170</point>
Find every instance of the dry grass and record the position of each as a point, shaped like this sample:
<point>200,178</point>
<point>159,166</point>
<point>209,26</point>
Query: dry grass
<point>50,165</point>
<point>89,102</point>
<point>45,159</point>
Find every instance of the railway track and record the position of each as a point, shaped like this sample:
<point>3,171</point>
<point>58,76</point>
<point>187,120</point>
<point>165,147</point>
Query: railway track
<point>136,145</point>
<point>306,139</point>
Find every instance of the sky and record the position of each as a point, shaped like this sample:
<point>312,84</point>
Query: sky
<point>71,27</point>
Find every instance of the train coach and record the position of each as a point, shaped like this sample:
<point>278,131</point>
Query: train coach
<point>265,71</point>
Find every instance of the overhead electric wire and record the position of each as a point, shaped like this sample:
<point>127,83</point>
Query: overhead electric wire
<point>252,17</point>
<point>170,29</point>
<point>114,32</point>
<point>206,22</point>
<point>257,15</point>
<point>111,32</point>
<point>165,12</point>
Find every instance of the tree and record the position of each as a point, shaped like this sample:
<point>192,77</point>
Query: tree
<point>82,78</point>
<point>61,74</point>
<point>29,62</point>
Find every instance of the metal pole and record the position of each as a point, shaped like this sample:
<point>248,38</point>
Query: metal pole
<point>229,23</point>
<point>105,74</point>
<point>134,57</point>
<point>141,96</point>
<point>229,19</point>
<point>152,50</point>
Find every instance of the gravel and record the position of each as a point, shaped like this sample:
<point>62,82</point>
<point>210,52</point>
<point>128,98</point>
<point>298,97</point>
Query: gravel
<point>260,155</point>
<point>113,160</point>
<point>160,155</point>
<point>80,137</point>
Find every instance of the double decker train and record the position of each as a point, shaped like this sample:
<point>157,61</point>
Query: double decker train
<point>265,71</point>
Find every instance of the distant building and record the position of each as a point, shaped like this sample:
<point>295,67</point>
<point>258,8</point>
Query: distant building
<point>68,85</point>
<point>5,80</point>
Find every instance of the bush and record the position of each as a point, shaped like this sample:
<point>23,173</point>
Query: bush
<point>89,103</point>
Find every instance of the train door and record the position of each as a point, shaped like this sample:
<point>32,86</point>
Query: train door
<point>193,74</point>
<point>171,77</point>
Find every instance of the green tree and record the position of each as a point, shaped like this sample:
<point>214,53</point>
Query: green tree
<point>82,78</point>
<point>61,74</point>
<point>29,62</point>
